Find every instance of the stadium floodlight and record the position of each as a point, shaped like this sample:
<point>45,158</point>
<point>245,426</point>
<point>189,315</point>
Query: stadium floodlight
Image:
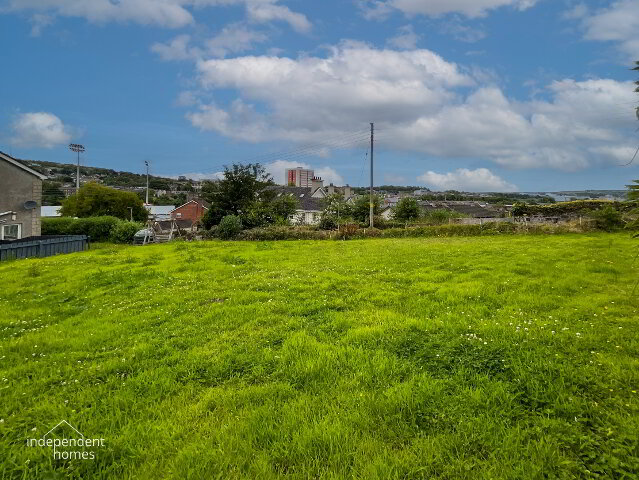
<point>76,147</point>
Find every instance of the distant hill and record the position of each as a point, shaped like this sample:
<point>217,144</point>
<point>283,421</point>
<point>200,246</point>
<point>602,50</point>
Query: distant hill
<point>64,173</point>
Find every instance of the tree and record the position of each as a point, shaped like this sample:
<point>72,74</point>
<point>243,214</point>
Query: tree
<point>361,208</point>
<point>236,194</point>
<point>633,190</point>
<point>519,209</point>
<point>406,209</point>
<point>284,207</point>
<point>335,205</point>
<point>94,200</point>
<point>52,194</point>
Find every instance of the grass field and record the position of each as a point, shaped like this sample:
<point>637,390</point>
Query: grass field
<point>511,357</point>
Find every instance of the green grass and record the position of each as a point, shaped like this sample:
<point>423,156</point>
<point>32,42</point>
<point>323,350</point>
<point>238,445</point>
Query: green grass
<point>505,357</point>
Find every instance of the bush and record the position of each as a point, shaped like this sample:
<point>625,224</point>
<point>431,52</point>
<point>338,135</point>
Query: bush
<point>100,229</point>
<point>284,233</point>
<point>124,231</point>
<point>229,227</point>
<point>608,219</point>
<point>328,222</point>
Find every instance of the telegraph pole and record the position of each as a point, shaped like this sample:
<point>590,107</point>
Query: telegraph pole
<point>76,147</point>
<point>371,197</point>
<point>147,181</point>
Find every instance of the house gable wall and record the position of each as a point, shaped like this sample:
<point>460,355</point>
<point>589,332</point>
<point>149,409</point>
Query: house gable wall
<point>193,211</point>
<point>16,187</point>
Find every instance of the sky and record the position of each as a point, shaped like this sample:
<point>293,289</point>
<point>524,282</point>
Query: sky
<point>475,95</point>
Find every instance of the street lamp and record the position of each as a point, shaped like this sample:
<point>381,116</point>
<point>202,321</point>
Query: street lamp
<point>76,147</point>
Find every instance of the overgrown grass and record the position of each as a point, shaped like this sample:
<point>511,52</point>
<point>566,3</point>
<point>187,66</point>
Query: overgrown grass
<point>491,357</point>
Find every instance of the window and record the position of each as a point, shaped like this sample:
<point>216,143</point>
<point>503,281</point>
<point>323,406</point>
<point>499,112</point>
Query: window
<point>10,232</point>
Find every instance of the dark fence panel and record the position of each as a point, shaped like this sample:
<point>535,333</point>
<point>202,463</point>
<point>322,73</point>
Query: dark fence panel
<point>45,246</point>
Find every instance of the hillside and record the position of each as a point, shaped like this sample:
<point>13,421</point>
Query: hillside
<point>65,173</point>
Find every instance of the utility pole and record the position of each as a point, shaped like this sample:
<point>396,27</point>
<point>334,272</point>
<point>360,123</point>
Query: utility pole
<point>371,197</point>
<point>147,181</point>
<point>76,147</point>
<point>131,209</point>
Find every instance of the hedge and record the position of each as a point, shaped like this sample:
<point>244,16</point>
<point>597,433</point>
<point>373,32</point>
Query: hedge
<point>100,229</point>
<point>502,228</point>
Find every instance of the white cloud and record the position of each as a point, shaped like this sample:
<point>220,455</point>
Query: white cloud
<point>461,32</point>
<point>277,169</point>
<point>406,38</point>
<point>267,11</point>
<point>479,180</point>
<point>618,23</point>
<point>354,84</point>
<point>433,8</point>
<point>234,38</point>
<point>176,49</point>
<point>38,22</point>
<point>39,129</point>
<point>163,13</point>
<point>420,102</point>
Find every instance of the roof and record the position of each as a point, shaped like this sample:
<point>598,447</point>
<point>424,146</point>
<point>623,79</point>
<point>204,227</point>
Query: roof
<point>50,211</point>
<point>160,209</point>
<point>204,204</point>
<point>21,165</point>
<point>302,194</point>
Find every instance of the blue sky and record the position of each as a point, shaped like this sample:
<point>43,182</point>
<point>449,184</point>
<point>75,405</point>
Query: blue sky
<point>480,95</point>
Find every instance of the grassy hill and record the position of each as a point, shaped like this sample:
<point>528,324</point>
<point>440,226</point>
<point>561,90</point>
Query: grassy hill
<point>502,358</point>
<point>65,173</point>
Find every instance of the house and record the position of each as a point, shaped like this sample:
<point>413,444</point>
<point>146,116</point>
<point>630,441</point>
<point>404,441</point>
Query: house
<point>50,211</point>
<point>192,210</point>
<point>309,200</point>
<point>387,213</point>
<point>160,212</point>
<point>20,199</point>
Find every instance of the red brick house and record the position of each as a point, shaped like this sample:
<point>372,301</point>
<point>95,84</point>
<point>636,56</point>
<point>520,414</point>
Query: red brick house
<point>193,210</point>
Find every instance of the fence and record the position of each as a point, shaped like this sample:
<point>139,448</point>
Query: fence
<point>44,246</point>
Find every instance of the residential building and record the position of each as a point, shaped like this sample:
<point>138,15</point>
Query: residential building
<point>192,210</point>
<point>346,191</point>
<point>20,199</point>
<point>299,177</point>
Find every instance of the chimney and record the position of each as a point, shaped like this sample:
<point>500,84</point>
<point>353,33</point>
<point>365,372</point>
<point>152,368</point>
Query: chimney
<point>347,191</point>
<point>316,183</point>
<point>331,189</point>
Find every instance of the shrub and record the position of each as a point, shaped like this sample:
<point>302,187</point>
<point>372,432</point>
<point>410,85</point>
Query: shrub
<point>124,231</point>
<point>230,226</point>
<point>98,228</point>
<point>608,219</point>
<point>406,209</point>
<point>284,233</point>
<point>328,222</point>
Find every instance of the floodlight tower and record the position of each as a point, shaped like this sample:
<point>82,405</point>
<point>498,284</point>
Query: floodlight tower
<point>147,181</point>
<point>76,147</point>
